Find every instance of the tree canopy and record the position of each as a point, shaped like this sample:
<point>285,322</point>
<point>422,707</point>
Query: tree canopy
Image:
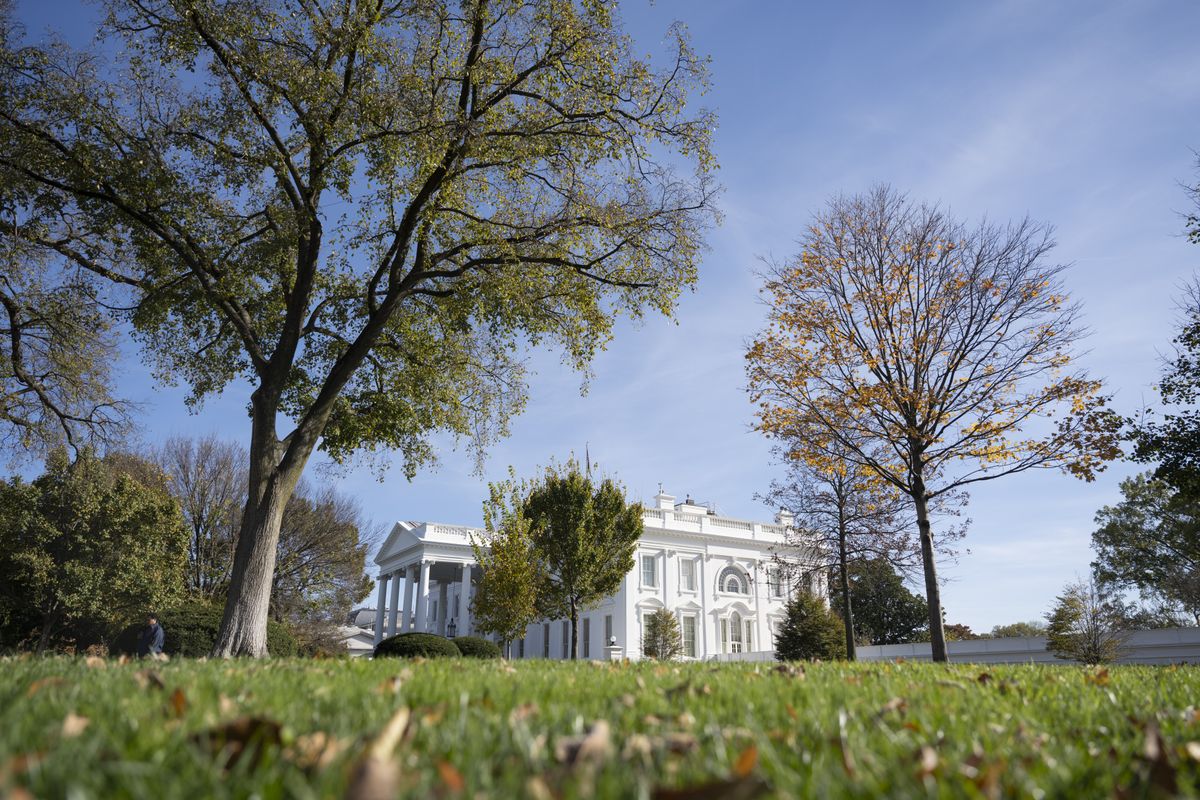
<point>1150,541</point>
<point>505,600</point>
<point>949,347</point>
<point>584,537</point>
<point>886,612</point>
<point>360,211</point>
<point>84,550</point>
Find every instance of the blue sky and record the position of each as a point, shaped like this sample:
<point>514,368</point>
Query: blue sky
<point>1080,113</point>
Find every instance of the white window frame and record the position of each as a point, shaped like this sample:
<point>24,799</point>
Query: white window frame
<point>650,560</point>
<point>687,581</point>
<point>732,573</point>
<point>683,631</point>
<point>608,629</point>
<point>736,630</point>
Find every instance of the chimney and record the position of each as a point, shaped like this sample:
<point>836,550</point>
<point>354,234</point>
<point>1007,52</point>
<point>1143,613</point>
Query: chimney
<point>784,517</point>
<point>664,501</point>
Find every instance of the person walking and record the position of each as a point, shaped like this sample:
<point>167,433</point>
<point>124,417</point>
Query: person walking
<point>150,641</point>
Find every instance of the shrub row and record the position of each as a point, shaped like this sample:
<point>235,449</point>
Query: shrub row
<point>430,645</point>
<point>191,629</point>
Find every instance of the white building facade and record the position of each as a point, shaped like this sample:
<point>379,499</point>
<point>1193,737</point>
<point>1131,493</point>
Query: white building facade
<point>720,576</point>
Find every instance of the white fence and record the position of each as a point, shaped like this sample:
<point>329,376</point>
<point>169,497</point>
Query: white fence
<point>1164,646</point>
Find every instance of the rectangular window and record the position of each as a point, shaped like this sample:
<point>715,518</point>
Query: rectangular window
<point>586,633</point>
<point>749,636</point>
<point>566,651</point>
<point>687,574</point>
<point>546,640</point>
<point>735,636</point>
<point>521,647</point>
<point>689,637</point>
<point>775,578</point>
<point>608,634</point>
<point>645,631</point>
<point>649,571</point>
<point>724,636</point>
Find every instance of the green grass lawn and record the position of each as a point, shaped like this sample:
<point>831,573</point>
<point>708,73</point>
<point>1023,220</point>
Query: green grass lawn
<point>294,728</point>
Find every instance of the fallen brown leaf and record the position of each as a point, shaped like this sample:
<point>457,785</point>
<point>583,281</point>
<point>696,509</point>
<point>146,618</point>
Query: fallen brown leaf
<point>522,712</point>
<point>147,678</point>
<point>43,683</point>
<point>74,725</point>
<point>451,776</point>
<point>316,750</point>
<point>927,762</point>
<point>240,738</point>
<point>1193,750</point>
<point>94,662</point>
<point>592,747</point>
<point>746,762</point>
<point>1098,678</point>
<point>746,788</point>
<point>1162,771</point>
<point>844,746</point>
<point>376,776</point>
<point>179,702</point>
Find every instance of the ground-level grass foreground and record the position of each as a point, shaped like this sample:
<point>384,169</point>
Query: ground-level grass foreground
<point>278,728</point>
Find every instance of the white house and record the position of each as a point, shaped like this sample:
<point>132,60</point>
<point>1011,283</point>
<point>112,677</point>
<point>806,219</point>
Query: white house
<point>718,575</point>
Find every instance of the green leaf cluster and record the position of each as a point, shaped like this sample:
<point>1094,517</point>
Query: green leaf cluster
<point>809,631</point>
<point>662,639</point>
<point>84,549</point>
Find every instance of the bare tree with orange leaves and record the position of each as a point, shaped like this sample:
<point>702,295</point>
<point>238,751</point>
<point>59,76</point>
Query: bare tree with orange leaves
<point>934,354</point>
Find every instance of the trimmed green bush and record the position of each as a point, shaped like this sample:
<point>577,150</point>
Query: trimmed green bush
<point>411,645</point>
<point>191,629</point>
<point>809,631</point>
<point>477,647</point>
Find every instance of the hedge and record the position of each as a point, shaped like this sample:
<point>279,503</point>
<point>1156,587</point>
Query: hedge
<point>411,645</point>
<point>477,647</point>
<point>191,629</point>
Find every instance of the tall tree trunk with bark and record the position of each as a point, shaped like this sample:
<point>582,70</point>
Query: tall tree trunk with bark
<point>847,605</point>
<point>933,593</point>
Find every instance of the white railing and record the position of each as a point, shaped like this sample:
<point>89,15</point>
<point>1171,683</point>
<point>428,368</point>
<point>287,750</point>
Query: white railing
<point>654,513</point>
<point>692,518</point>
<point>736,524</point>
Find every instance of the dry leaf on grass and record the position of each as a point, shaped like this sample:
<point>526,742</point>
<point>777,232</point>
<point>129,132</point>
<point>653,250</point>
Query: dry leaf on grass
<point>1193,750</point>
<point>927,762</point>
<point>1162,771</point>
<point>148,678</point>
<point>592,747</point>
<point>746,762</point>
<point>74,725</point>
<point>844,746</point>
<point>376,776</point>
<point>95,662</point>
<point>179,702</point>
<point>1098,678</point>
<point>316,750</point>
<point>240,738</point>
<point>43,683</point>
<point>451,777</point>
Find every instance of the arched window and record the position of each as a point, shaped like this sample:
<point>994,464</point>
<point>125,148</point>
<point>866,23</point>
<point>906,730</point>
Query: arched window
<point>732,581</point>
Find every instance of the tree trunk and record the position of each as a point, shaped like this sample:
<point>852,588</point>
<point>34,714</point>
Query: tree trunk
<point>274,472</point>
<point>47,627</point>
<point>933,593</point>
<point>574,635</point>
<point>847,607</point>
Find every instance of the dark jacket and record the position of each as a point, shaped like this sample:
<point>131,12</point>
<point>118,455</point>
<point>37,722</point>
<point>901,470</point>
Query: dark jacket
<point>150,640</point>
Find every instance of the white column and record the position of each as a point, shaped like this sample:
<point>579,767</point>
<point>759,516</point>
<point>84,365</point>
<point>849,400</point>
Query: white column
<point>423,597</point>
<point>382,581</point>
<point>464,603</point>
<point>409,575</point>
<point>439,624</point>
<point>394,607</point>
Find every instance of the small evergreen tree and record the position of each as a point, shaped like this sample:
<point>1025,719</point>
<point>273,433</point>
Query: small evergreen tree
<point>1085,626</point>
<point>662,639</point>
<point>809,630</point>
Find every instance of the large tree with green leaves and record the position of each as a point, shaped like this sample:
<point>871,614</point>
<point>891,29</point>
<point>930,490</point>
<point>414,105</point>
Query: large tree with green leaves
<point>1150,541</point>
<point>584,538</point>
<point>886,611</point>
<point>359,211</point>
<point>85,546</point>
<point>949,345</point>
<point>505,601</point>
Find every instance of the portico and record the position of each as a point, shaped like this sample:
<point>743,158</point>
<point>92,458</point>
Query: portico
<point>425,580</point>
